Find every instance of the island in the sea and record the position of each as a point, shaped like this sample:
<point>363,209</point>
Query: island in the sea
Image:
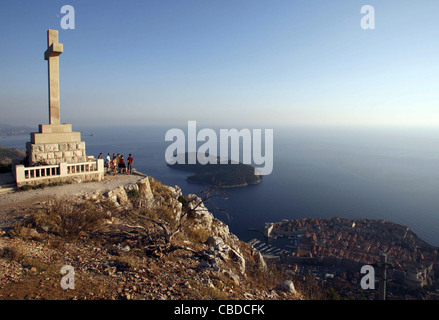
<point>222,175</point>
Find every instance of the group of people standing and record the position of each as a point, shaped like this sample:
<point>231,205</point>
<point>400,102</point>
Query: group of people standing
<point>116,164</point>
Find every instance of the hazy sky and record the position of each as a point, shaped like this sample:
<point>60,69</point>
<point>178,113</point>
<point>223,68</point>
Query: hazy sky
<point>244,63</point>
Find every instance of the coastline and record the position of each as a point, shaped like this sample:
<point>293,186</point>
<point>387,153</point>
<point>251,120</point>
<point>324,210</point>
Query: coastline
<point>225,186</point>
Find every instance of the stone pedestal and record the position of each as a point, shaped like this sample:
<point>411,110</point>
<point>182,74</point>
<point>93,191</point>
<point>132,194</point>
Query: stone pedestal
<point>54,144</point>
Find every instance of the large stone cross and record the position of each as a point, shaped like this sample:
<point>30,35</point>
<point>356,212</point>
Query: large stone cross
<point>54,49</point>
<point>54,143</point>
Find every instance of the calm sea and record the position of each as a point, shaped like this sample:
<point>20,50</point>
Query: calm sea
<point>390,174</point>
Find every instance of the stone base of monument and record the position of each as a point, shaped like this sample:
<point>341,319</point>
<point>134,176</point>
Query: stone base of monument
<point>54,144</point>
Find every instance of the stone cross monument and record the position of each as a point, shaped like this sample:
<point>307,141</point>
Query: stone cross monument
<point>54,49</point>
<point>55,142</point>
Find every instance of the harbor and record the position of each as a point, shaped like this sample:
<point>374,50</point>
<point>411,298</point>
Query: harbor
<point>274,247</point>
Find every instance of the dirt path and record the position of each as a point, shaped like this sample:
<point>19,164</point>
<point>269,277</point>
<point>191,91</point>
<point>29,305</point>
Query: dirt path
<point>14,205</point>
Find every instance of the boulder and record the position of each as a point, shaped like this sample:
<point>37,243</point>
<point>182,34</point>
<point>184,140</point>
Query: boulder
<point>176,191</point>
<point>237,257</point>
<point>259,259</point>
<point>286,286</point>
<point>131,187</point>
<point>118,196</point>
<point>213,241</point>
<point>145,189</point>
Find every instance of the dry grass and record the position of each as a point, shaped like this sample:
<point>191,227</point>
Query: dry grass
<point>25,233</point>
<point>159,190</point>
<point>68,219</point>
<point>135,197</point>
<point>11,254</point>
<point>196,234</point>
<point>126,262</point>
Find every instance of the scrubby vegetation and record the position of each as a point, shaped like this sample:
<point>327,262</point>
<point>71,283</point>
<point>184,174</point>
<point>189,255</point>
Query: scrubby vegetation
<point>69,220</point>
<point>6,157</point>
<point>11,254</point>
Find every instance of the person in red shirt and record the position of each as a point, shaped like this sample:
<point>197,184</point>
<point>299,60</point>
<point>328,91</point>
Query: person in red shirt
<point>122,166</point>
<point>130,164</point>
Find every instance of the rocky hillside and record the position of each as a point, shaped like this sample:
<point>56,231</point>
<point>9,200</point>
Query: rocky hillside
<point>142,240</point>
<point>9,154</point>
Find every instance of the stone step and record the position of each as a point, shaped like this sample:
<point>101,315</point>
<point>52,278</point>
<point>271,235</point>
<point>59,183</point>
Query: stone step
<point>8,185</point>
<point>4,190</point>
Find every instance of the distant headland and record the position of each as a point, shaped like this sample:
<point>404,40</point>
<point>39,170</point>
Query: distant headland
<point>7,130</point>
<point>230,175</point>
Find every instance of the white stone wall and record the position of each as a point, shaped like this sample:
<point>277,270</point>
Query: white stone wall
<point>33,176</point>
<point>55,153</point>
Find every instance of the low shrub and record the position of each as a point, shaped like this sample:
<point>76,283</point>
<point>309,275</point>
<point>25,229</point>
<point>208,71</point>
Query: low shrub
<point>124,263</point>
<point>68,219</point>
<point>160,190</point>
<point>11,254</point>
<point>196,234</point>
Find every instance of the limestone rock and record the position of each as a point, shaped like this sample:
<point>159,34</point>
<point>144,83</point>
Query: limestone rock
<point>214,241</point>
<point>200,213</point>
<point>221,230</point>
<point>259,259</point>
<point>237,257</point>
<point>234,277</point>
<point>118,196</point>
<point>176,191</point>
<point>125,248</point>
<point>131,187</point>
<point>286,286</point>
<point>145,189</point>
